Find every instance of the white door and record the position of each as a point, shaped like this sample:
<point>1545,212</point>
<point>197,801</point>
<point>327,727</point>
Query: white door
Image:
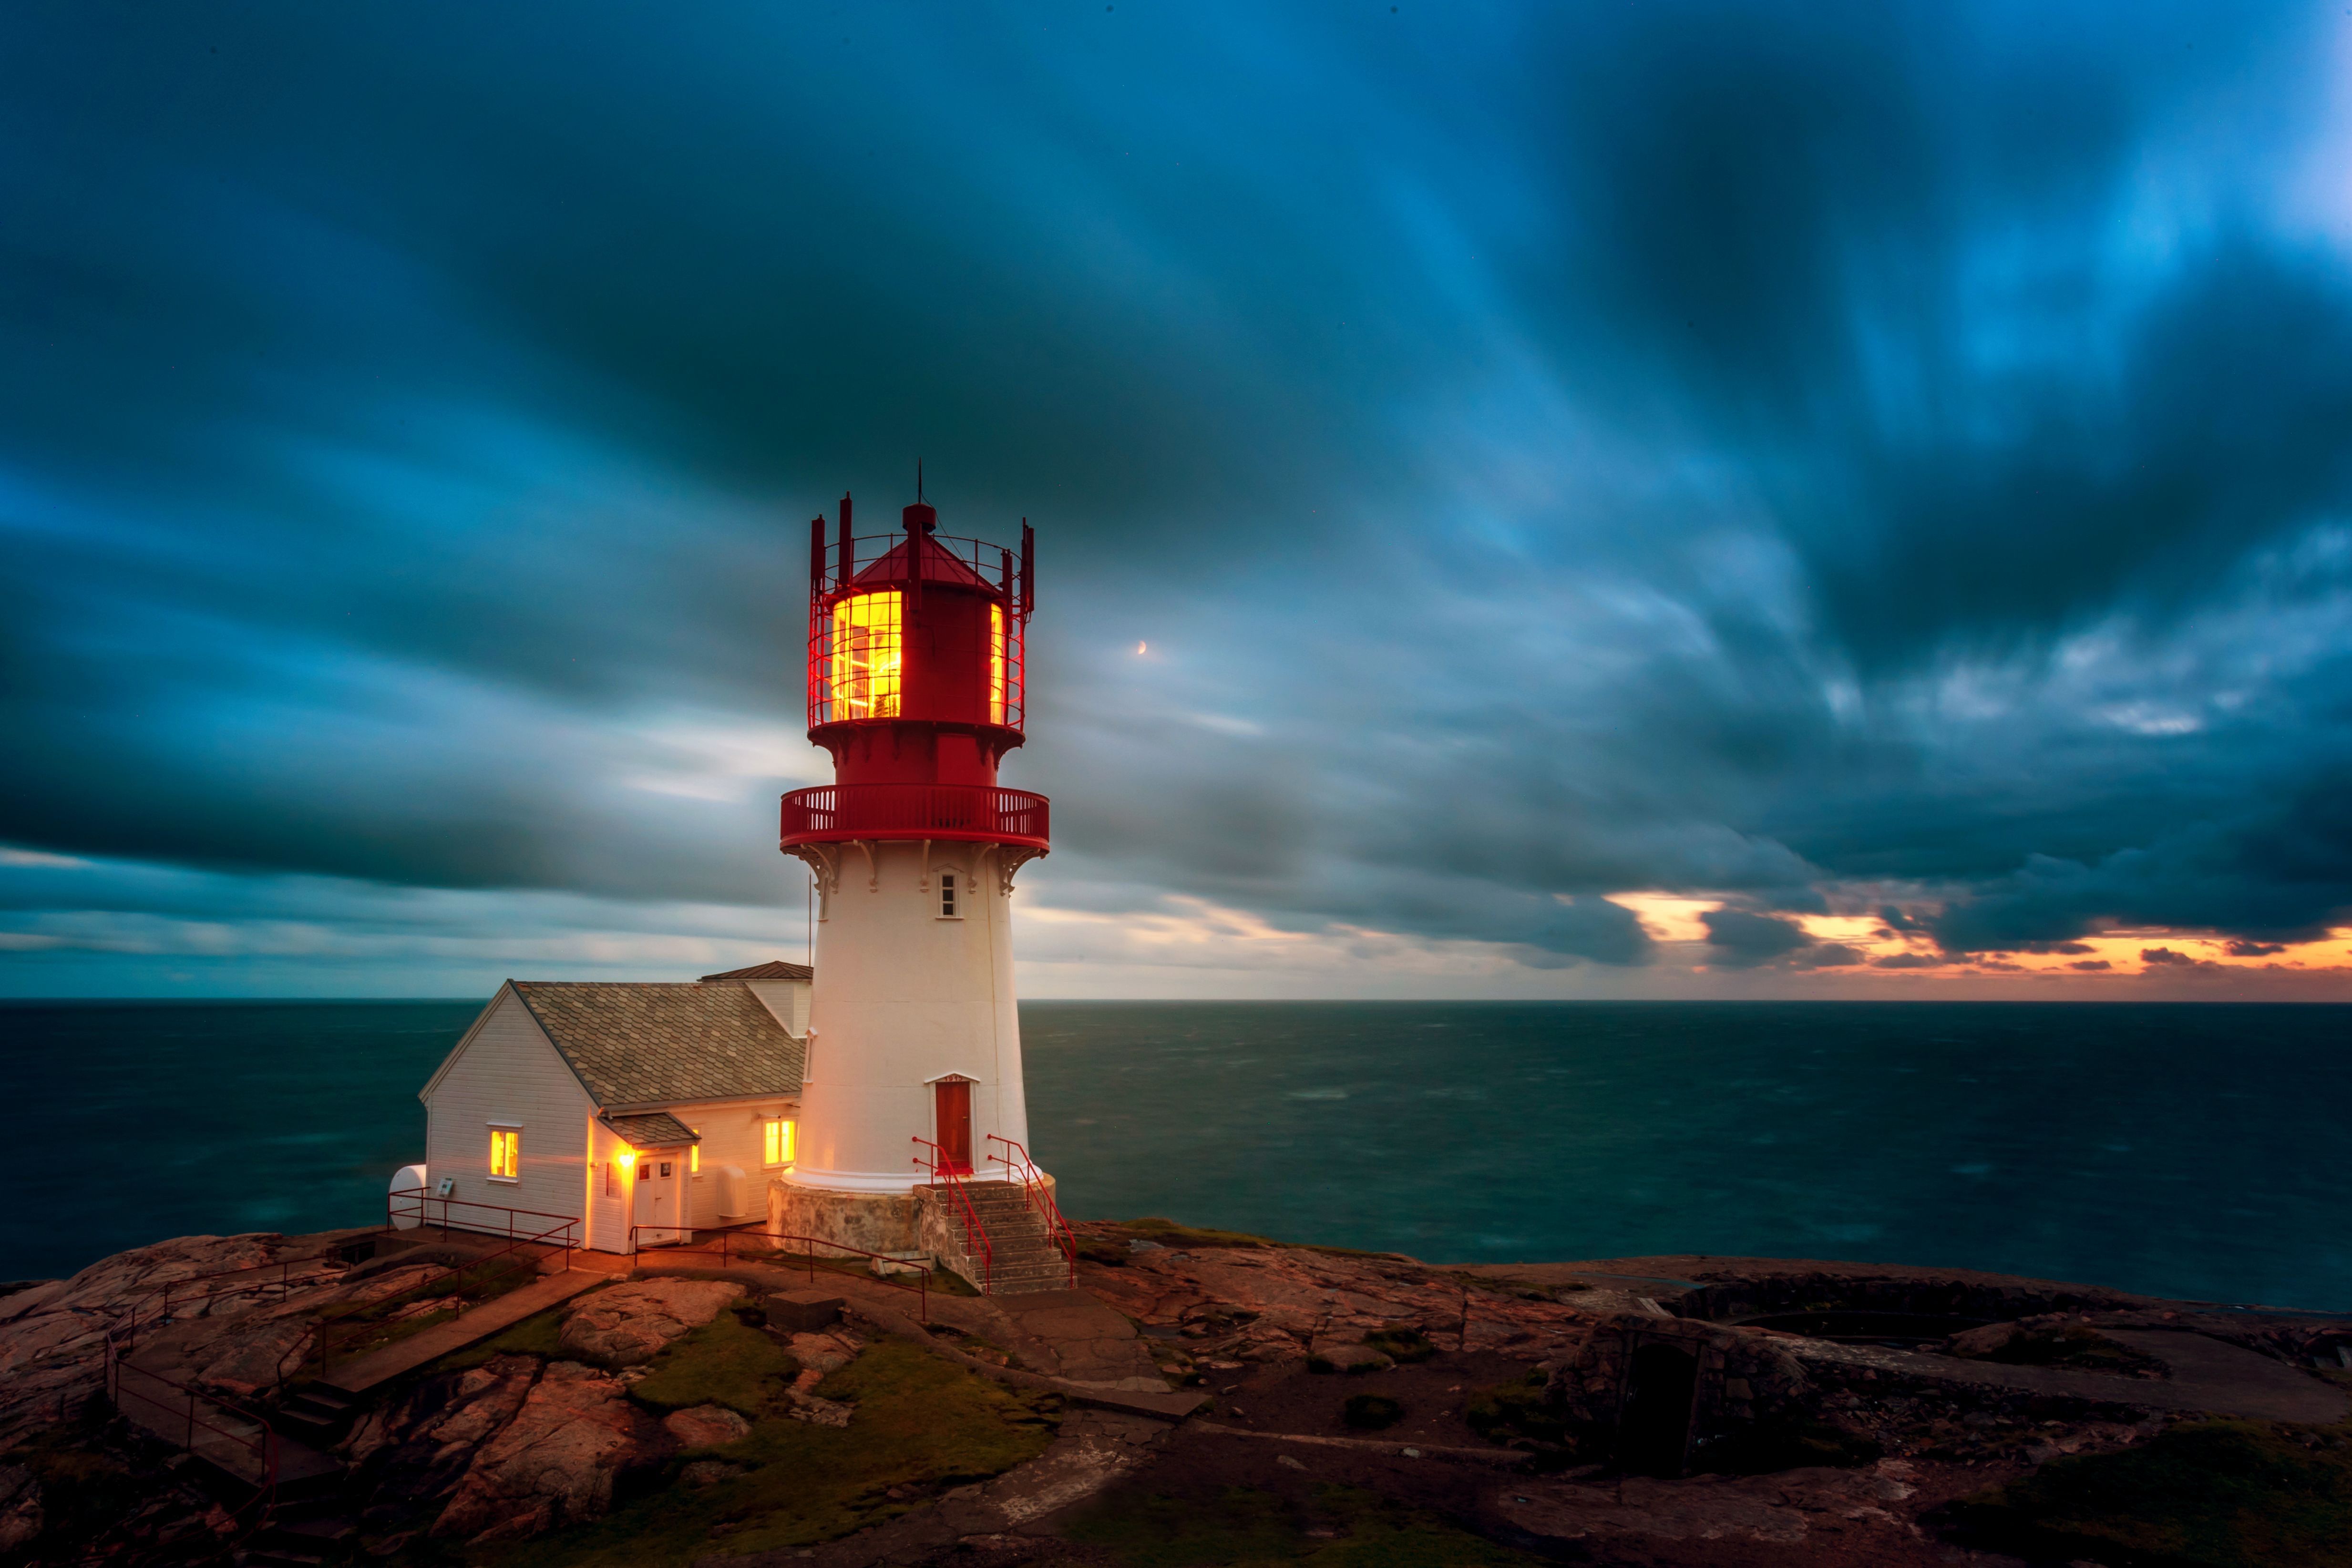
<point>660,1190</point>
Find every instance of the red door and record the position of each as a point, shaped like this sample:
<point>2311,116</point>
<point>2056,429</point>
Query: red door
<point>953,1106</point>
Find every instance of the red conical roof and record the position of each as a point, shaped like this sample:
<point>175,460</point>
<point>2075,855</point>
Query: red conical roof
<point>937,566</point>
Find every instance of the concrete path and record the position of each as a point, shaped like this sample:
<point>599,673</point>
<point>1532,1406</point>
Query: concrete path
<point>1087,1343</point>
<point>468,1328</point>
<point>2209,1377</point>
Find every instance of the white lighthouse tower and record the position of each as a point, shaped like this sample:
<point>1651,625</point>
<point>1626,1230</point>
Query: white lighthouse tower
<point>914,1128</point>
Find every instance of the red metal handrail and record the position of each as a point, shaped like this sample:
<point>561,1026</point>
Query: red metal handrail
<point>262,1445</point>
<point>942,1169</point>
<point>425,1202</point>
<point>1039,1198</point>
<point>971,813</point>
<point>279,1275</point>
<point>321,1339</point>
<point>921,1287</point>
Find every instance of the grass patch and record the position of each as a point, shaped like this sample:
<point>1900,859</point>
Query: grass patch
<point>725,1361</point>
<point>2216,1494</point>
<point>922,1422</point>
<point>535,1335</point>
<point>1137,1528</point>
<point>1404,1346</point>
<point>1168,1233</point>
<point>85,1491</point>
<point>943,1283</point>
<point>1784,1445</point>
<point>2071,1344</point>
<point>1515,1411</point>
<point>1371,1412</point>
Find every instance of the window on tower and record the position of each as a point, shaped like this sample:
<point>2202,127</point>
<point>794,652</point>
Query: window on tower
<point>864,656</point>
<point>947,896</point>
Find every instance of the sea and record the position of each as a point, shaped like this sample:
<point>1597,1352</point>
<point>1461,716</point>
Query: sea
<point>2184,1150</point>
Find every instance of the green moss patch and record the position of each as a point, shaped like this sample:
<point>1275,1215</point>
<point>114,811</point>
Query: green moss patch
<point>2071,1344</point>
<point>2216,1494</point>
<point>725,1361</point>
<point>537,1334</point>
<point>85,1491</point>
<point>1371,1412</point>
<point>1168,1233</point>
<point>1515,1412</point>
<point>1332,1527</point>
<point>1404,1346</point>
<point>922,1424</point>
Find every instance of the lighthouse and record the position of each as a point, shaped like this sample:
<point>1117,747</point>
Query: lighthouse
<point>914,1128</point>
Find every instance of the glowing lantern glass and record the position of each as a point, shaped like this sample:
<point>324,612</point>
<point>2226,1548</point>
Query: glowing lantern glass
<point>865,662</point>
<point>996,664</point>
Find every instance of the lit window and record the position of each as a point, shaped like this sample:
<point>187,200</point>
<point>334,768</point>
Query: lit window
<point>506,1154</point>
<point>865,673</point>
<point>947,896</point>
<point>996,664</point>
<point>776,1148</point>
<point>694,1156</point>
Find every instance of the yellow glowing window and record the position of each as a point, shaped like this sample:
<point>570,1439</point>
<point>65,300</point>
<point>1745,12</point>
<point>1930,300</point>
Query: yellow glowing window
<point>996,664</point>
<point>777,1149</point>
<point>506,1154</point>
<point>693,1158</point>
<point>866,657</point>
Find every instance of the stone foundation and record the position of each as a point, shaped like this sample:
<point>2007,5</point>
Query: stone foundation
<point>871,1222</point>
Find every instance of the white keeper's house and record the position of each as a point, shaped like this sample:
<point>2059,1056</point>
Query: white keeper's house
<point>639,1109</point>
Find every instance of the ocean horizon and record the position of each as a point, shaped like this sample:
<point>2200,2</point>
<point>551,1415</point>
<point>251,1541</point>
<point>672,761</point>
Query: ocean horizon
<point>2173,1148</point>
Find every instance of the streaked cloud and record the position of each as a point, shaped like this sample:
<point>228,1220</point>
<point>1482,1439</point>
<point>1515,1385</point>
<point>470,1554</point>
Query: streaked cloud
<point>1685,499</point>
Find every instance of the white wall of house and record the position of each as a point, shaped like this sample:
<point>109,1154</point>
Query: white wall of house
<point>788,1000</point>
<point>733,1133</point>
<point>507,1074</point>
<point>610,1193</point>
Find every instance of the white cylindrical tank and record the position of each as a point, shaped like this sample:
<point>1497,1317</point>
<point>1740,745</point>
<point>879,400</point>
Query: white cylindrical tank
<point>407,1215</point>
<point>907,994</point>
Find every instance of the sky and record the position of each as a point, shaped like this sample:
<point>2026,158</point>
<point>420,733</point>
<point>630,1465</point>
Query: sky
<point>1595,499</point>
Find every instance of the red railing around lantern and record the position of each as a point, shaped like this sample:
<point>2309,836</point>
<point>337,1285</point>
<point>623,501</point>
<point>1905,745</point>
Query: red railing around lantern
<point>835,569</point>
<point>980,814</point>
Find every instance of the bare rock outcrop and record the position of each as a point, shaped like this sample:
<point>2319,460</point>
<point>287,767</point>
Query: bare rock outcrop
<point>20,1507</point>
<point>706,1427</point>
<point>52,1335</point>
<point>1273,1304</point>
<point>630,1324</point>
<point>554,1463</point>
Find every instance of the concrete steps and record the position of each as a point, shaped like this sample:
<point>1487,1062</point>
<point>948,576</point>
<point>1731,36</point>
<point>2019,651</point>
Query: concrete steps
<point>1023,1257</point>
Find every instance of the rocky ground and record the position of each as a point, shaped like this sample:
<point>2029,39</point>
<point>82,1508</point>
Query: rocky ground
<point>1202,1398</point>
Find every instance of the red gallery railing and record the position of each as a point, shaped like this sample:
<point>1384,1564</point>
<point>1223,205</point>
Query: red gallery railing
<point>972,813</point>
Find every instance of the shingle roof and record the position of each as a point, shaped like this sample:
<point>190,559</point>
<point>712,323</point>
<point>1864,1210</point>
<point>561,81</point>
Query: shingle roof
<point>647,1043</point>
<point>773,970</point>
<point>659,1130</point>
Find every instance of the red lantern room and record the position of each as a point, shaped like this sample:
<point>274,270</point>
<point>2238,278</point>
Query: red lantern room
<point>916,680</point>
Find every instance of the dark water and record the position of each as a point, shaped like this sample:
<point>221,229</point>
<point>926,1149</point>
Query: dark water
<point>2191,1151</point>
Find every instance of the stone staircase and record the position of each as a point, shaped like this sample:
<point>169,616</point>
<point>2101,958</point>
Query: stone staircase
<point>1023,1256</point>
